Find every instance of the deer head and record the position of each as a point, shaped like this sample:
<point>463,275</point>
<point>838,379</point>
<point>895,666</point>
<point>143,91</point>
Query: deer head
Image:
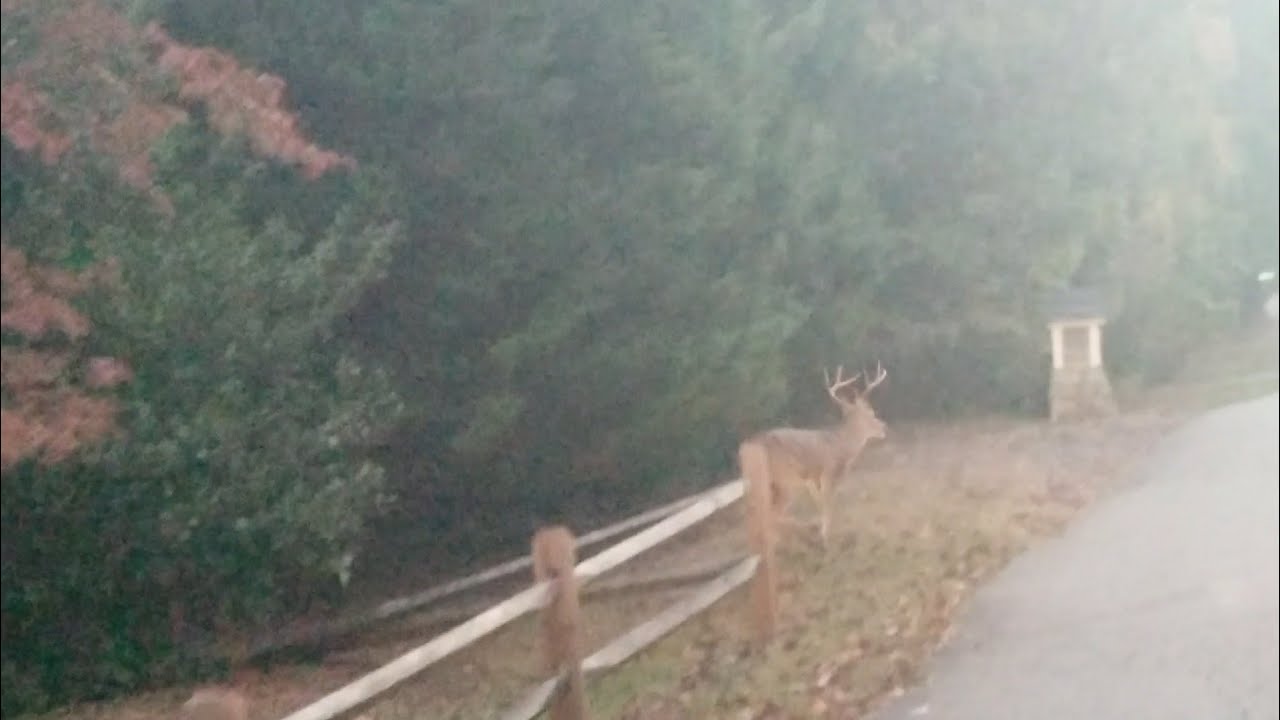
<point>858,414</point>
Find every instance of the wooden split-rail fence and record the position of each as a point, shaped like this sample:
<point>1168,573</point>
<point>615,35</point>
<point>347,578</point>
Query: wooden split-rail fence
<point>667,521</point>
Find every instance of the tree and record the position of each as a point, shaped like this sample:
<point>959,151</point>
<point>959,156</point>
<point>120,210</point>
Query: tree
<point>45,418</point>
<point>640,230</point>
<point>635,231</point>
<point>237,480</point>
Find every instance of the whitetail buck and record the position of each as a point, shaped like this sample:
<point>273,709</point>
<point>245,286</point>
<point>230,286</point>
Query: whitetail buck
<point>775,461</point>
<point>784,458</point>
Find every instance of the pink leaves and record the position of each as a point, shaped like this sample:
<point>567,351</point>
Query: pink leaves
<point>119,111</point>
<point>240,100</point>
<point>47,415</point>
<point>106,372</point>
<point>21,113</point>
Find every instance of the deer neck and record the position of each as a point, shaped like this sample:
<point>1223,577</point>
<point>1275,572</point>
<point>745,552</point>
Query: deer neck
<point>855,437</point>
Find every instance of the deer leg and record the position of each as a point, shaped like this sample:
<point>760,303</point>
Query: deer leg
<point>806,538</point>
<point>792,523</point>
<point>789,521</point>
<point>821,492</point>
<point>846,472</point>
<point>825,504</point>
<point>795,522</point>
<point>778,508</point>
<point>817,492</point>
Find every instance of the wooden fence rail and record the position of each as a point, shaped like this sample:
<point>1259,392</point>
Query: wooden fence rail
<point>318,634</point>
<point>638,638</point>
<point>683,576</point>
<point>364,689</point>
<point>667,520</point>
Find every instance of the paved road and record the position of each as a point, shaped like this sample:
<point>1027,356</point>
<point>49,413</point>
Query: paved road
<point>1161,603</point>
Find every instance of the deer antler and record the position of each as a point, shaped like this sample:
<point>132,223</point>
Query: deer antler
<point>833,388</point>
<point>881,374</point>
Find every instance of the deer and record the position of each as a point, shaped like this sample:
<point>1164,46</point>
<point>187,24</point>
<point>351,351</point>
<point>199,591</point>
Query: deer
<point>814,459</point>
<point>774,462</point>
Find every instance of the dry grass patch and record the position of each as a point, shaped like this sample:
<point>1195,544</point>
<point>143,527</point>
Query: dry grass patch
<point>916,534</point>
<point>926,518</point>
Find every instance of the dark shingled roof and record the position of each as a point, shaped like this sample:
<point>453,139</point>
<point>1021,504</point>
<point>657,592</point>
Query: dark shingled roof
<point>1076,304</point>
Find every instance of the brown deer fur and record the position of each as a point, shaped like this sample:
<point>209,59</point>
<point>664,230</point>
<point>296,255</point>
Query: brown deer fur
<point>554,558</point>
<point>774,462</point>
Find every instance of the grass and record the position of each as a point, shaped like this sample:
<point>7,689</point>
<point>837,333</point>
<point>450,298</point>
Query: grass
<point>924,520</point>
<point>916,536</point>
<point>1242,368</point>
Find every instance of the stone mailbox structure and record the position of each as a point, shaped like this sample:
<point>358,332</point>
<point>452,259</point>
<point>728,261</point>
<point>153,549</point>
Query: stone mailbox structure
<point>1079,387</point>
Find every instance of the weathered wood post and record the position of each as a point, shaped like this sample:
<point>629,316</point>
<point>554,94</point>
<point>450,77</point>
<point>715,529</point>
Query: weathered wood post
<point>762,535</point>
<point>554,558</point>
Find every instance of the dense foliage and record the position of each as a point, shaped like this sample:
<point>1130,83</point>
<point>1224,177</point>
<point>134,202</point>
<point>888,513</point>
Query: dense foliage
<point>230,479</point>
<point>632,232</point>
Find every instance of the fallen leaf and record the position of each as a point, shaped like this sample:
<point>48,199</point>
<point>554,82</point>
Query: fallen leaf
<point>825,675</point>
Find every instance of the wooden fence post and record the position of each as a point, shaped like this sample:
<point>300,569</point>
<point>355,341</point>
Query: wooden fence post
<point>762,534</point>
<point>363,689</point>
<point>554,551</point>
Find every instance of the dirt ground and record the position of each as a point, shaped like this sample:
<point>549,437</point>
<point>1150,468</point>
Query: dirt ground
<point>925,518</point>
<point>920,530</point>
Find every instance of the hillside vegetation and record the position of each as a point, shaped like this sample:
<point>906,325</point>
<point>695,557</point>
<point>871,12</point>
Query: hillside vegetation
<point>307,297</point>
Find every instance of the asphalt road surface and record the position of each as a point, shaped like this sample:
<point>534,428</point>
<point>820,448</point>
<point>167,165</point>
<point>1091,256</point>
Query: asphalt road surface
<point>1159,603</point>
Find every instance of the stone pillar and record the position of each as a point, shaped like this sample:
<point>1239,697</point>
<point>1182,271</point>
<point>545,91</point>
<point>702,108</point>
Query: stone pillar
<point>1081,389</point>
